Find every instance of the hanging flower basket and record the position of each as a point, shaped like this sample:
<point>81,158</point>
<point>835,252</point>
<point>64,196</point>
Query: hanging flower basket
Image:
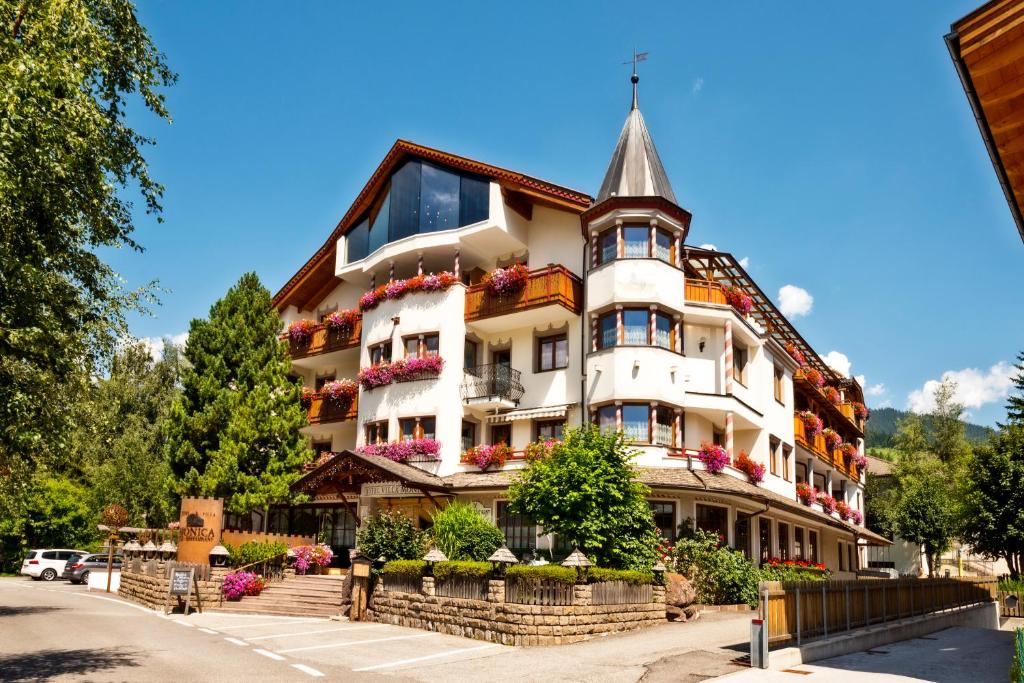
<point>342,323</point>
<point>340,392</point>
<point>844,510</point>
<point>828,503</point>
<point>814,377</point>
<point>806,493</point>
<point>796,354</point>
<point>739,300</point>
<point>396,289</point>
<point>312,557</point>
<point>505,282</point>
<point>833,395</point>
<point>753,470</point>
<point>401,451</point>
<point>812,423</point>
<point>714,457</point>
<point>861,410</point>
<point>486,456</point>
<point>301,331</point>
<point>832,438</point>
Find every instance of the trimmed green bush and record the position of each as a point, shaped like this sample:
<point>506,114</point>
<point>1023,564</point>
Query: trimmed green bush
<point>256,551</point>
<point>391,535</point>
<point>598,574</point>
<point>462,533</point>
<point>404,568</point>
<point>792,573</point>
<point>546,572</point>
<point>468,569</point>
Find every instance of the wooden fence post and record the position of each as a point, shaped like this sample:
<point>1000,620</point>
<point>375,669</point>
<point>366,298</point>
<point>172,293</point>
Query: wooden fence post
<point>824,611</point>
<point>798,616</point>
<point>847,606</point>
<point>867,621</point>
<point>884,610</point>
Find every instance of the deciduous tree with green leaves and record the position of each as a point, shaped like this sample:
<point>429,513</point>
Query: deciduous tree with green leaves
<point>234,432</point>
<point>586,491</point>
<point>67,157</point>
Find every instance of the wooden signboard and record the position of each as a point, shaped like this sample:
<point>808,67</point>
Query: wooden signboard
<point>200,528</point>
<point>183,583</point>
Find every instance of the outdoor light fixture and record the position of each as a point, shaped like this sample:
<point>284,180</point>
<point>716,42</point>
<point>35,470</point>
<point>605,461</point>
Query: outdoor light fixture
<point>218,555</point>
<point>703,341</point>
<point>167,548</point>
<point>149,549</point>
<point>578,560</point>
<point>501,557</point>
<point>132,548</point>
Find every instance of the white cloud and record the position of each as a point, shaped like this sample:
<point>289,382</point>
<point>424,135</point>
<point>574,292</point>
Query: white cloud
<point>974,387</point>
<point>838,361</point>
<point>885,404</point>
<point>876,389</point>
<point>155,345</point>
<point>745,262</point>
<point>698,85</point>
<point>795,301</point>
<point>710,247</point>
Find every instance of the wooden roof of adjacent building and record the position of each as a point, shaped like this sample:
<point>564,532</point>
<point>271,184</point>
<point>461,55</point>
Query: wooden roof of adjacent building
<point>987,47</point>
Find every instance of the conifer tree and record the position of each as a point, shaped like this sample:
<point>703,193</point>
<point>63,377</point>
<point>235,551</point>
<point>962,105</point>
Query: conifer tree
<point>234,433</point>
<point>1015,404</point>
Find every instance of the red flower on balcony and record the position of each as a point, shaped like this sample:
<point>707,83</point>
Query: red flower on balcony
<point>506,281</point>
<point>739,300</point>
<point>833,395</point>
<point>307,396</point>
<point>806,493</point>
<point>403,370</point>
<point>812,423</point>
<point>849,451</point>
<point>753,470</point>
<point>827,502</point>
<point>844,510</point>
<point>861,410</point>
<point>714,457</point>
<point>401,451</point>
<point>342,322</point>
<point>397,289</point>
<point>815,377</point>
<point>796,354</point>
<point>485,456</point>
<point>832,438</point>
<point>340,392</point>
<point>301,331</point>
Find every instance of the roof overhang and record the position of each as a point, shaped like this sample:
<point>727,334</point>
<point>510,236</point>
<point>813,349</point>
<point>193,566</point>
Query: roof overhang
<point>987,47</point>
<point>654,203</point>
<point>356,468</point>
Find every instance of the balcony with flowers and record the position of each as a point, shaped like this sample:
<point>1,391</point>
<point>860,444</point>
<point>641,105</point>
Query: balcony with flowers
<point>827,444</point>
<point>337,331</point>
<point>402,370</point>
<point>336,401</point>
<point>491,386</point>
<point>813,383</point>
<point>536,296</point>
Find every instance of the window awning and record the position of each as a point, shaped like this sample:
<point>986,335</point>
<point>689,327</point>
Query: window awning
<point>530,414</point>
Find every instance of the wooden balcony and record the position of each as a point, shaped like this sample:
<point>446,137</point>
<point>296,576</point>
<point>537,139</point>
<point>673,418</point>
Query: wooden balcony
<point>843,409</point>
<point>704,292</point>
<point>816,445</point>
<point>324,412</point>
<point>554,285</point>
<point>324,340</point>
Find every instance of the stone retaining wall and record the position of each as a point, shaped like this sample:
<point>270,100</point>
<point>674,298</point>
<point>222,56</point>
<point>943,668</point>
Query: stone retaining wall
<point>151,591</point>
<point>497,621</point>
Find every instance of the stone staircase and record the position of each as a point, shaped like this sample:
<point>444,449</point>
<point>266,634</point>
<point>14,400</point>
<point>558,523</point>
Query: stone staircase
<point>295,596</point>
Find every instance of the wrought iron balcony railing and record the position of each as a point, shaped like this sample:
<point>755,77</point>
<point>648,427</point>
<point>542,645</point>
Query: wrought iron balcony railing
<point>492,381</point>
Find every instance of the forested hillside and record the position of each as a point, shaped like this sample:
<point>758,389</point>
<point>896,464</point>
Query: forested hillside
<point>882,426</point>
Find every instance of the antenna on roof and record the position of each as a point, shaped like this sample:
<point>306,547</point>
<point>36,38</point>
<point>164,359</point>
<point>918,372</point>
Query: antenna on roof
<point>637,57</point>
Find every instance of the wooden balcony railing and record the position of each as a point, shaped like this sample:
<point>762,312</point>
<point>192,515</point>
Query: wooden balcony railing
<point>545,286</point>
<point>702,291</point>
<point>322,412</point>
<point>844,409</point>
<point>325,340</point>
<point>816,445</point>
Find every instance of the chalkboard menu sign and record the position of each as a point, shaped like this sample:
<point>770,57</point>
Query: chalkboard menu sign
<point>181,581</point>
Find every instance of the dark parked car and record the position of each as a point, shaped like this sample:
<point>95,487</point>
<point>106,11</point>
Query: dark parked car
<point>78,567</point>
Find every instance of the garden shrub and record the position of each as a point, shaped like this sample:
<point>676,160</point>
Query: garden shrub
<point>598,574</point>
<point>467,569</point>
<point>404,568</point>
<point>792,571</point>
<point>720,575</point>
<point>256,551</point>
<point>1017,666</point>
<point>462,533</point>
<point>391,535</point>
<point>533,575</point>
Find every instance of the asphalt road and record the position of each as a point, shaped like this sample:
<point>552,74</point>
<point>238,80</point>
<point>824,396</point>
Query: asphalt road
<point>56,631</point>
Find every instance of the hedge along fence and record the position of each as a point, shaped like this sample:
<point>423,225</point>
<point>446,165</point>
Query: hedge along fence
<point>795,611</point>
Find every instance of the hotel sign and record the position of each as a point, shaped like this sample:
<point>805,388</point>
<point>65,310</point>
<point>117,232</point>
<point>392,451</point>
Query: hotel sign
<point>388,489</point>
<point>200,521</point>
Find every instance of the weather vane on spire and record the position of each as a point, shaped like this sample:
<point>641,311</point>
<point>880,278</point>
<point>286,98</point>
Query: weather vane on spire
<point>637,57</point>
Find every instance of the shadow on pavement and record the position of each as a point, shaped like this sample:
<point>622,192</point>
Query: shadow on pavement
<point>6,611</point>
<point>45,664</point>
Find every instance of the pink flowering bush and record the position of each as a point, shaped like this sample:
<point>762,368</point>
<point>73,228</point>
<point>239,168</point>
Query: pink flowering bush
<point>487,455</point>
<point>401,451</point>
<point>341,392</point>
<point>342,322</point>
<point>812,423</point>
<point>237,584</point>
<point>301,331</point>
<point>507,281</point>
<point>714,457</point>
<point>832,438</point>
<point>739,300</point>
<point>856,516</point>
<point>402,370</point>
<point>828,503</point>
<point>306,556</point>
<point>396,289</point>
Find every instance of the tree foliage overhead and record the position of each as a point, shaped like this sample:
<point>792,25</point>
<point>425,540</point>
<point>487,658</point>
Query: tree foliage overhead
<point>66,158</point>
<point>586,492</point>
<point>234,432</point>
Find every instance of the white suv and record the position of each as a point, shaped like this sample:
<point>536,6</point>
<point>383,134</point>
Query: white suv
<point>47,564</point>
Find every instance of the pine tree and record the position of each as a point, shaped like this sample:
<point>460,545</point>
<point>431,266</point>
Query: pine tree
<point>1015,404</point>
<point>234,433</point>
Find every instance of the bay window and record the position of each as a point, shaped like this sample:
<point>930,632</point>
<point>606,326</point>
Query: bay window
<point>634,421</point>
<point>635,241</point>
<point>634,326</point>
<point>641,422</point>
<point>635,244</point>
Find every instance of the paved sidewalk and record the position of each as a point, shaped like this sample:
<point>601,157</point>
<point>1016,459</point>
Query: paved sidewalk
<point>955,655</point>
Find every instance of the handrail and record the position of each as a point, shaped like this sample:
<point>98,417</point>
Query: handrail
<point>493,379</point>
<point>551,285</point>
<point>264,561</point>
<point>323,339</point>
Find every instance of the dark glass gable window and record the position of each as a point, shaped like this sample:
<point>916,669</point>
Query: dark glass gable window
<point>419,198</point>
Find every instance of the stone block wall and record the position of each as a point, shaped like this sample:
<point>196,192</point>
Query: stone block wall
<point>497,621</point>
<point>151,591</point>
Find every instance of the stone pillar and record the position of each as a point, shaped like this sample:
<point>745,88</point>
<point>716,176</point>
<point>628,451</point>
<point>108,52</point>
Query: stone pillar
<point>728,357</point>
<point>428,585</point>
<point>496,591</point>
<point>582,595</point>
<point>729,435</point>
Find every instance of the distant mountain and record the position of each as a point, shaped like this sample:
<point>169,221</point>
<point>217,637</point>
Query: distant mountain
<point>882,427</point>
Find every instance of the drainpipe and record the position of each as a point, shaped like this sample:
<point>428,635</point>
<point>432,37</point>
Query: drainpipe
<point>585,333</point>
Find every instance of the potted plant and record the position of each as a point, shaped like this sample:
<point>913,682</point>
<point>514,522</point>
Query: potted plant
<point>861,410</point>
<point>486,456</point>
<point>814,377</point>
<point>739,300</point>
<point>833,395</point>
<point>844,510</point>
<point>827,502</point>
<point>396,289</point>
<point>342,323</point>
<point>796,354</point>
<point>812,423</point>
<point>508,281</point>
<point>340,393</point>
<point>806,493</point>
<point>753,470</point>
<point>401,451</point>
<point>301,331</point>
<point>714,457</point>
<point>832,438</point>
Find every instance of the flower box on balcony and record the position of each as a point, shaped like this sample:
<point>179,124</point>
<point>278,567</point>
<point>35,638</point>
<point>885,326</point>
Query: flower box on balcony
<point>508,281</point>
<point>402,370</point>
<point>714,457</point>
<point>397,289</point>
<point>405,450</point>
<point>486,456</point>
<point>753,470</point>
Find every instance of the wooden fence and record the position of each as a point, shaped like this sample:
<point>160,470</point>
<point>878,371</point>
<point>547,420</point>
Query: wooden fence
<point>1011,604</point>
<point>462,587</point>
<point>802,610</point>
<point>620,593</point>
<point>403,583</point>
<point>551,593</point>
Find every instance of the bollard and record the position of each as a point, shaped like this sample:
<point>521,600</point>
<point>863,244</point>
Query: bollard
<point>758,644</point>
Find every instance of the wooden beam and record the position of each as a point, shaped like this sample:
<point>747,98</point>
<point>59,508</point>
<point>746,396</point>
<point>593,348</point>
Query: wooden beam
<point>518,202</point>
<point>351,508</point>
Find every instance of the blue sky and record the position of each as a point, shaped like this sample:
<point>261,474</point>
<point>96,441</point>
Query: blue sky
<point>830,144</point>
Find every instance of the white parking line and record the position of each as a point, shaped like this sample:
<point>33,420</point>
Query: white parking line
<point>208,630</point>
<point>236,641</point>
<point>402,662</point>
<point>309,633</point>
<point>308,670</point>
<point>183,623</point>
<point>357,642</point>
<point>267,623</point>
<point>268,653</point>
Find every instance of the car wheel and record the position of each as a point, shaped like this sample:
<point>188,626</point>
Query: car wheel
<point>85,578</point>
<point>48,575</point>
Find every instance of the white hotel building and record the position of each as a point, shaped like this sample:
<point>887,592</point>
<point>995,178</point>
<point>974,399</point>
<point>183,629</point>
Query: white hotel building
<point>621,322</point>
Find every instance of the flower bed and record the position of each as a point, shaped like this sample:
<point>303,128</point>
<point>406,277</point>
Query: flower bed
<point>506,281</point>
<point>397,289</point>
<point>307,556</point>
<point>402,370</point>
<point>832,438</point>
<point>806,493</point>
<point>238,584</point>
<point>400,451</point>
<point>340,392</point>
<point>812,423</point>
<point>739,300</point>
<point>796,354</point>
<point>833,395</point>
<point>485,456</point>
<point>301,331</point>
<point>827,502</point>
<point>753,470</point>
<point>714,457</point>
<point>342,322</point>
<point>815,377</point>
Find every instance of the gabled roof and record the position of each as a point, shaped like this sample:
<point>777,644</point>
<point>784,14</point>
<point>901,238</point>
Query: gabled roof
<point>316,277</point>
